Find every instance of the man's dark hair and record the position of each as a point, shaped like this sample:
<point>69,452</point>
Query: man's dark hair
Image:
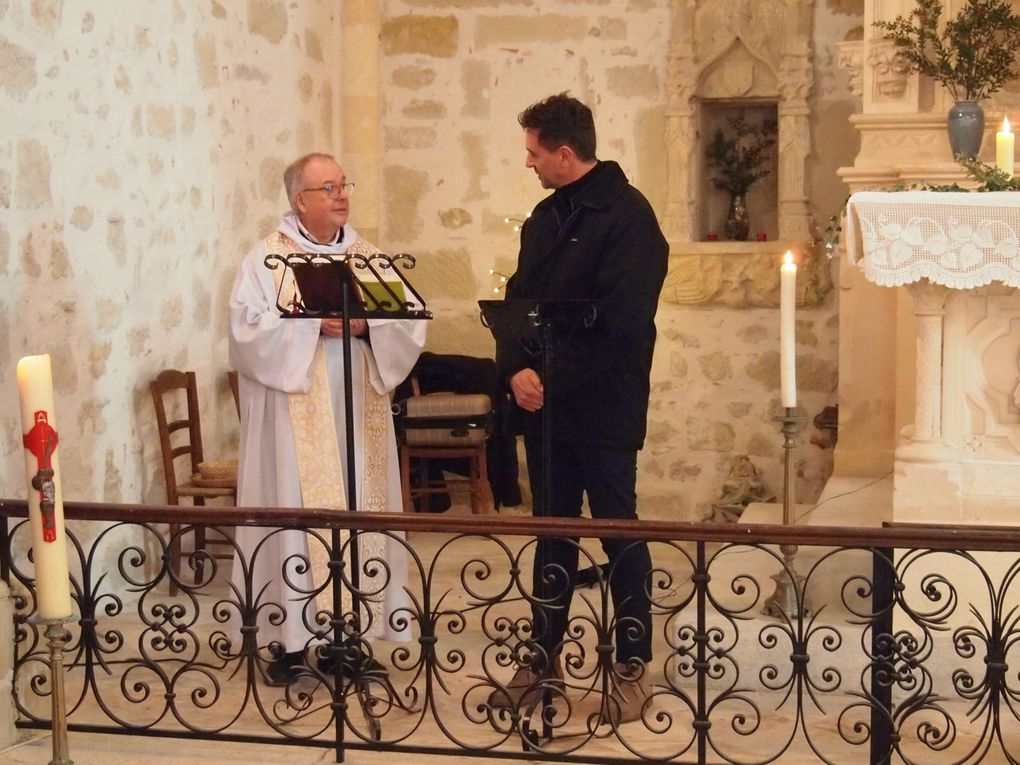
<point>562,120</point>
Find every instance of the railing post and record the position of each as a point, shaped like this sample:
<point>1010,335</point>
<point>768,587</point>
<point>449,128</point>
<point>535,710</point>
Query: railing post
<point>5,552</point>
<point>338,647</point>
<point>883,577</point>
<point>7,707</point>
<point>701,722</point>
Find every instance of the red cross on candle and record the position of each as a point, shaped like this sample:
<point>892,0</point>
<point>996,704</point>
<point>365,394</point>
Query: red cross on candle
<point>42,440</point>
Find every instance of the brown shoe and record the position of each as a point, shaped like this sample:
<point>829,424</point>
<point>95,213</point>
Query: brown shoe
<point>630,692</point>
<point>526,687</point>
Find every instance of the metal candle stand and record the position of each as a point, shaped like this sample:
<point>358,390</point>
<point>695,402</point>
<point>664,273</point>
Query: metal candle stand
<point>57,635</point>
<point>788,599</point>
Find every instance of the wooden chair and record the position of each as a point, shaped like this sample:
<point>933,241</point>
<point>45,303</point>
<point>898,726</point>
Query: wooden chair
<point>175,393</point>
<point>444,426</point>
<point>235,389</point>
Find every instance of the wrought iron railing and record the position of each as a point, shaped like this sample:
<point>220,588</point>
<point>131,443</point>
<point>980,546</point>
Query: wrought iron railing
<point>905,657</point>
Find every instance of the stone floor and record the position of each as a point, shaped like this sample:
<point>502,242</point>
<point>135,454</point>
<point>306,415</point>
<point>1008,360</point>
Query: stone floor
<point>770,742</point>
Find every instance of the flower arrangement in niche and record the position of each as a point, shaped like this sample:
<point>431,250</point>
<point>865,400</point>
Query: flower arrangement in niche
<point>739,158</point>
<point>971,55</point>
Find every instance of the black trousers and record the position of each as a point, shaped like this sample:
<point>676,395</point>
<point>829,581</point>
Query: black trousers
<point>608,476</point>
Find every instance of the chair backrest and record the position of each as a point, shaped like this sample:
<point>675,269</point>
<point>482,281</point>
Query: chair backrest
<point>232,379</point>
<point>166,392</point>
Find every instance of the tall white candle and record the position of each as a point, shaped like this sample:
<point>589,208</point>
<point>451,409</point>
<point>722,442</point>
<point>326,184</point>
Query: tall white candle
<point>787,331</point>
<point>40,441</point>
<point>1004,148</point>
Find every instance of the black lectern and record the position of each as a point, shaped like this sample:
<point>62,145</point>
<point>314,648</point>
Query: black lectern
<point>539,326</point>
<point>349,286</point>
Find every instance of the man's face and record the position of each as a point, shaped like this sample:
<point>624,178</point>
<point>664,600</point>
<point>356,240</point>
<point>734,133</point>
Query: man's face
<point>323,215</point>
<point>548,165</point>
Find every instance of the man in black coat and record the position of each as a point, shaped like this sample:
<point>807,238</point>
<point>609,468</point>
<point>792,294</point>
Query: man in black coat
<point>595,238</point>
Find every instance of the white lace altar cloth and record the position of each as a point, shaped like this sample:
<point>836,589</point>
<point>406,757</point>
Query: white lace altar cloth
<point>957,239</point>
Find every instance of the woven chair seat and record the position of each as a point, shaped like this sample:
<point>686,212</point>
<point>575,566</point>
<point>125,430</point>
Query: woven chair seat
<point>446,425</point>
<point>447,420</point>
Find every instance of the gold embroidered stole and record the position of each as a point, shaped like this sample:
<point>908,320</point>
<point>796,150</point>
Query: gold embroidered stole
<point>320,469</point>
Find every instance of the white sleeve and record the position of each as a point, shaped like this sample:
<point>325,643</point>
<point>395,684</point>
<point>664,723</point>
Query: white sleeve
<point>396,345</point>
<point>264,346</point>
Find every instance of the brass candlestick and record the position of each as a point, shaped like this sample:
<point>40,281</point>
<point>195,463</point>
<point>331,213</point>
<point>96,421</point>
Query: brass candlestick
<point>58,635</point>
<point>788,598</point>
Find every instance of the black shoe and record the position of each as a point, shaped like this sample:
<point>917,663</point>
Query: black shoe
<point>353,662</point>
<point>284,670</point>
<point>586,577</point>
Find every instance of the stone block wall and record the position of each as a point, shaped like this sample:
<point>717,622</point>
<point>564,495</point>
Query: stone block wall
<point>141,152</point>
<point>714,394</point>
<point>454,77</point>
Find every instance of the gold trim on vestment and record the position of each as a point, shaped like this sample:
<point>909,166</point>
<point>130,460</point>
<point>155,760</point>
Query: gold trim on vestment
<point>320,471</point>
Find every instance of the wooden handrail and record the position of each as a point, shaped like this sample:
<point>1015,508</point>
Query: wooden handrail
<point>907,536</point>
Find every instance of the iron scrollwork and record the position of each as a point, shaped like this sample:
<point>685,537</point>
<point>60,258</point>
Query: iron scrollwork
<point>897,659</point>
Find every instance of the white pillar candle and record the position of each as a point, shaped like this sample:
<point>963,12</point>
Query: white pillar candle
<point>1004,148</point>
<point>787,331</point>
<point>40,440</point>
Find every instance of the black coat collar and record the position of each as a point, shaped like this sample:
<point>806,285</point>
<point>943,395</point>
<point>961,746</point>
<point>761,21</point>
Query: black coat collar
<point>602,184</point>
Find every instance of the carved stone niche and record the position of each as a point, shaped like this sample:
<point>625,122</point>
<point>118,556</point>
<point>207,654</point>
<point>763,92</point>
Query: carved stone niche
<point>754,54</point>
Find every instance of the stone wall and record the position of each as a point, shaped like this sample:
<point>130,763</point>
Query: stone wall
<point>454,77</point>
<point>141,154</point>
<point>714,394</point>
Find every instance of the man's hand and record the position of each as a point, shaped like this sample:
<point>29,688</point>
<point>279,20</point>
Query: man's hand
<point>335,327</point>
<point>527,389</point>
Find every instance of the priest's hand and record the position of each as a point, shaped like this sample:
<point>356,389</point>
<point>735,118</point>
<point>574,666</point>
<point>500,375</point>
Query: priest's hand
<point>335,327</point>
<point>527,389</point>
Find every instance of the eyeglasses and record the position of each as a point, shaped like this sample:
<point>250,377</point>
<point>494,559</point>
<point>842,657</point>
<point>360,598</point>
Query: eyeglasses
<point>334,190</point>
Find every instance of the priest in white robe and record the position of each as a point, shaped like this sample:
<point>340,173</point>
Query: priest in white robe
<point>290,371</point>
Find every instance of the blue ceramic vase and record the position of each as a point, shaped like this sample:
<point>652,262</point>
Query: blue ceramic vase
<point>966,125</point>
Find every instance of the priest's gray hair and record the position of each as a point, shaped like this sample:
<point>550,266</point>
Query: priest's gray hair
<point>294,175</point>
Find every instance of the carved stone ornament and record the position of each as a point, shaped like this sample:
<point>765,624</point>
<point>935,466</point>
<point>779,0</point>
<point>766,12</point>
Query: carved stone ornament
<point>850,58</point>
<point>698,275</point>
<point>992,383</point>
<point>891,70</point>
<point>743,485</point>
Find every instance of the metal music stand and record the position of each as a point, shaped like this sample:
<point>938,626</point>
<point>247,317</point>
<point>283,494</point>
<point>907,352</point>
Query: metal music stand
<point>539,327</point>
<point>349,286</point>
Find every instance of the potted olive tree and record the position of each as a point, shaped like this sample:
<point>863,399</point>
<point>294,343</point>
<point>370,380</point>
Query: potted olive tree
<point>971,55</point>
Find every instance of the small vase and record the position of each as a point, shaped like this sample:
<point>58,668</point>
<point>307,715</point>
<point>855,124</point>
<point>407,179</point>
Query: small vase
<point>737,222</point>
<point>966,126</point>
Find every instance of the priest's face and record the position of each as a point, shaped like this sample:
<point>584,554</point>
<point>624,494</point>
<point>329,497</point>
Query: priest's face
<point>322,213</point>
<point>548,165</point>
